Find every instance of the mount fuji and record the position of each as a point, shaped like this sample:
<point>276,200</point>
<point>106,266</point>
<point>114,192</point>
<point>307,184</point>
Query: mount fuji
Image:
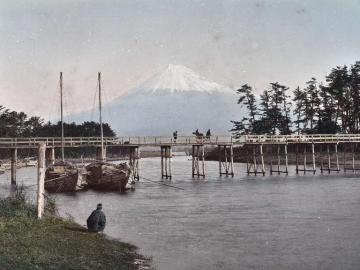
<point>175,99</point>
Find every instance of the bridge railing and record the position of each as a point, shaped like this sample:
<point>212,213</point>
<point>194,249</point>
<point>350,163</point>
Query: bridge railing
<point>315,138</point>
<point>148,140</point>
<point>180,140</point>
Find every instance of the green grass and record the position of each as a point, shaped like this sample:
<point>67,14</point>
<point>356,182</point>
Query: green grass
<point>54,243</point>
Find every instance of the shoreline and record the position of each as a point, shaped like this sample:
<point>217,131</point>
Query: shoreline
<point>53,242</point>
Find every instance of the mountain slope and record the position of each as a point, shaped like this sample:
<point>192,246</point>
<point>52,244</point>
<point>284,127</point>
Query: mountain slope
<point>175,99</point>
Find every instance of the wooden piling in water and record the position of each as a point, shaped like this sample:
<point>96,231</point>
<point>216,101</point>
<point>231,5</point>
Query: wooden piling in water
<point>286,159</point>
<point>337,158</point>
<point>13,165</point>
<point>232,160</point>
<point>353,157</point>
<point>297,159</point>
<point>305,167</point>
<point>41,179</point>
<point>262,159</point>
<point>313,157</point>
<point>219,153</point>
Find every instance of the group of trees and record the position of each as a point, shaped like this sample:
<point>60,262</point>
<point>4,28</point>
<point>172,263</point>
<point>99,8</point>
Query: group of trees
<point>18,124</point>
<point>330,107</point>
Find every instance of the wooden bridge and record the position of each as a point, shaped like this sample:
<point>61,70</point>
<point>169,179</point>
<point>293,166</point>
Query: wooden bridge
<point>179,141</point>
<point>255,144</point>
<point>313,149</point>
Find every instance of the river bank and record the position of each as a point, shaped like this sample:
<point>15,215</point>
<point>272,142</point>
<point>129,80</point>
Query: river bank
<point>57,243</point>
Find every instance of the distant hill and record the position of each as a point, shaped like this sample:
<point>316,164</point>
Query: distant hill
<point>175,99</point>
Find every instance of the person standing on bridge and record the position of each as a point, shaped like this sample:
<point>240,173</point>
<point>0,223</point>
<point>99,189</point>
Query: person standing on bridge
<point>175,136</point>
<point>96,221</point>
<point>208,134</point>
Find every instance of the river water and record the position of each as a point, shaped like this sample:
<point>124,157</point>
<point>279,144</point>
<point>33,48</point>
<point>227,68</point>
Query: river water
<point>244,222</point>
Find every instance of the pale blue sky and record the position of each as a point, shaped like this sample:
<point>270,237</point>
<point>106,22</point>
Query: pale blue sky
<point>230,42</point>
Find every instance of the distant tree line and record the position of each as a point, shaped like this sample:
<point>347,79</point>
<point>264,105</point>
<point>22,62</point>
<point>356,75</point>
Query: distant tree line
<point>330,107</point>
<point>18,124</point>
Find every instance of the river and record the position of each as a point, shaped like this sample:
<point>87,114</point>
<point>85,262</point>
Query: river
<point>245,222</point>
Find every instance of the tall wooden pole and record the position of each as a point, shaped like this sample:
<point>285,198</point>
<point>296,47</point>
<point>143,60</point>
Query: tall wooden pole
<point>41,179</point>
<point>100,118</point>
<point>62,118</point>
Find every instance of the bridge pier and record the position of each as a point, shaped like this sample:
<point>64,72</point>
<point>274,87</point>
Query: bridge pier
<point>328,159</point>
<point>166,158</point>
<point>101,153</point>
<point>252,162</point>
<point>305,169</point>
<point>226,160</point>
<point>278,154</point>
<point>50,156</point>
<point>134,156</point>
<point>13,165</point>
<point>198,161</point>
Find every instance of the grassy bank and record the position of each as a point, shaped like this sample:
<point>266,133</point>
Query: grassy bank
<point>54,243</point>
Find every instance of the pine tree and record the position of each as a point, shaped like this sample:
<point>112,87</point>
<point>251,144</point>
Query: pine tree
<point>246,98</point>
<point>300,104</point>
<point>312,107</point>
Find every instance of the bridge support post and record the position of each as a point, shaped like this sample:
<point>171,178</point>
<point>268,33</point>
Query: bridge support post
<point>353,157</point>
<point>313,157</point>
<point>166,156</point>
<point>50,156</point>
<point>134,156</point>
<point>305,167</point>
<point>344,157</point>
<point>262,159</point>
<point>286,159</point>
<point>13,165</point>
<point>329,157</point>
<point>226,160</point>
<point>337,158</point>
<point>251,164</point>
<point>198,161</point>
<point>297,158</point>
<point>101,153</point>
<point>278,160</point>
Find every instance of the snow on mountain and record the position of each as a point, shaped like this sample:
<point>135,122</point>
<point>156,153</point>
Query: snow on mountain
<point>175,99</point>
<point>177,78</point>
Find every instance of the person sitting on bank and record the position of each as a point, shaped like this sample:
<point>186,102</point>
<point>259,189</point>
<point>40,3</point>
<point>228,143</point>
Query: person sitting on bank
<point>97,220</point>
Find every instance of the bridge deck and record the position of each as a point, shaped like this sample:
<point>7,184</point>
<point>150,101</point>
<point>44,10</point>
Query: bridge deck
<point>180,141</point>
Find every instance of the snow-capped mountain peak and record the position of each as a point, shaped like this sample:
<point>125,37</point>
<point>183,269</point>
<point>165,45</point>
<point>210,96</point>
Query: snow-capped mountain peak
<point>177,78</point>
